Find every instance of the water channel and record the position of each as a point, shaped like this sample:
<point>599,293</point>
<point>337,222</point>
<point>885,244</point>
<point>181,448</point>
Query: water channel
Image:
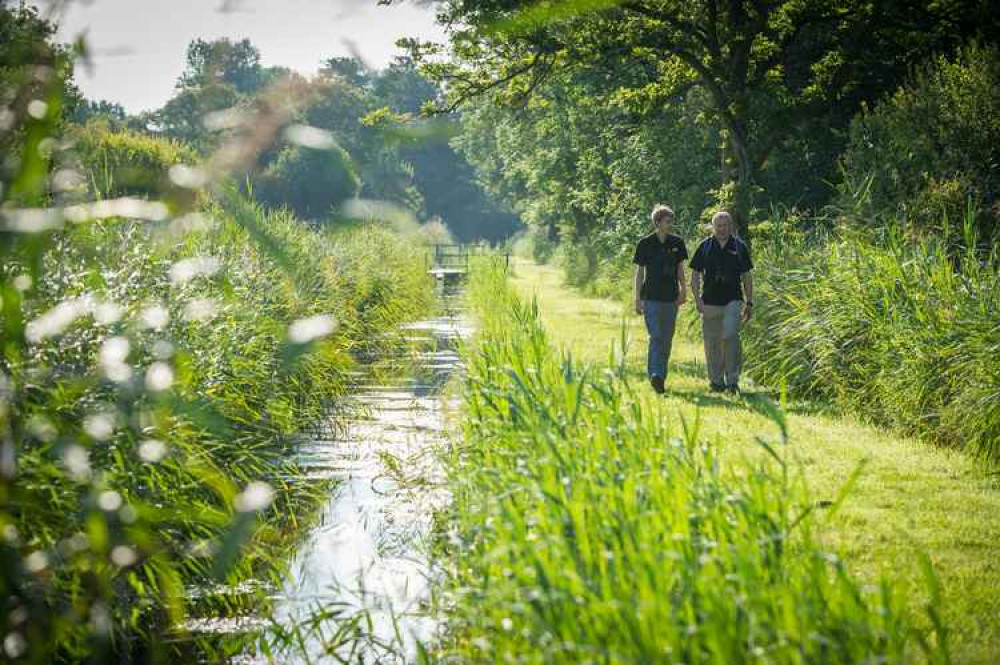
<point>367,555</point>
<point>358,588</point>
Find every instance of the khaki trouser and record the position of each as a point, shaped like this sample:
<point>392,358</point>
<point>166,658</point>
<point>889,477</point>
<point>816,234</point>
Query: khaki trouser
<point>720,326</point>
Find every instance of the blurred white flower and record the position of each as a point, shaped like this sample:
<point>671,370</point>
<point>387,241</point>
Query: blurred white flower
<point>225,119</point>
<point>41,428</point>
<point>114,350</point>
<point>155,317</point>
<point>31,220</point>
<point>152,450</point>
<point>159,377</point>
<point>190,223</point>
<point>36,562</point>
<point>256,497</point>
<point>201,309</point>
<point>109,501</point>
<point>163,350</point>
<point>37,109</point>
<point>55,321</point>
<point>312,328</point>
<point>112,357</point>
<point>68,180</point>
<point>22,283</point>
<point>14,645</point>
<point>106,313</point>
<point>199,266</point>
<point>99,426</point>
<point>76,459</point>
<point>189,177</point>
<point>123,556</point>
<point>310,137</point>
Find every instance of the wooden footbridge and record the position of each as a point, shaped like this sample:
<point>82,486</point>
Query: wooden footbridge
<point>450,262</point>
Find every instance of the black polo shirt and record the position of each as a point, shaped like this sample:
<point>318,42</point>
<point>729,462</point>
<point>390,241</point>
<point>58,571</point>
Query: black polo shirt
<point>722,267</point>
<point>660,260</point>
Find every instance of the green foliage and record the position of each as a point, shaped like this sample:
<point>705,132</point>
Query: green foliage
<point>222,60</point>
<point>311,183</point>
<point>156,358</point>
<point>125,163</point>
<point>770,76</point>
<point>932,149</point>
<point>587,529</point>
<point>578,166</point>
<point>241,385</point>
<point>902,331</point>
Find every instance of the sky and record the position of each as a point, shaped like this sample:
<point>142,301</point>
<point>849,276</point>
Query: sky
<point>139,46</point>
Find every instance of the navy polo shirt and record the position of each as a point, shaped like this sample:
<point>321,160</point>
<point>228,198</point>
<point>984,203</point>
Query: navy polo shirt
<point>722,268</point>
<point>660,260</point>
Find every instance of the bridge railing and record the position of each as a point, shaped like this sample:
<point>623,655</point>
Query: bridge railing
<point>455,257</point>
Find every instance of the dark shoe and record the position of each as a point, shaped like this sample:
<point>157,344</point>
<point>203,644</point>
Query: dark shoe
<point>733,388</point>
<point>716,387</point>
<point>657,383</point>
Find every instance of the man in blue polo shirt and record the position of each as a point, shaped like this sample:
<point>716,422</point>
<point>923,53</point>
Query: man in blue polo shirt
<point>722,263</point>
<point>659,289</point>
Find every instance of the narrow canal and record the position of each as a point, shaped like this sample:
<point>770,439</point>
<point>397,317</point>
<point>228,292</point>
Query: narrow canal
<point>358,588</point>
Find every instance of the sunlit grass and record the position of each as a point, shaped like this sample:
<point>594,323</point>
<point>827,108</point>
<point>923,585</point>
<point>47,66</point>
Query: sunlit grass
<point>591,526</point>
<point>911,498</point>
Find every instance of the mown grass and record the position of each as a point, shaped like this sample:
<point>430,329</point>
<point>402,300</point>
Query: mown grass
<point>911,498</point>
<point>587,527</point>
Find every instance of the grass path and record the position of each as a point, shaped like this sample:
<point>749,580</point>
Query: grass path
<point>910,498</point>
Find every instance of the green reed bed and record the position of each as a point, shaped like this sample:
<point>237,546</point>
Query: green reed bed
<point>586,529</point>
<point>905,332</point>
<point>153,376</point>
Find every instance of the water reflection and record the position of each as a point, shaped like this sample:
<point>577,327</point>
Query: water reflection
<point>358,588</point>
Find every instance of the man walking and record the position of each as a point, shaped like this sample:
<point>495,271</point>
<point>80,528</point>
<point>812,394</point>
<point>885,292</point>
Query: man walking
<point>722,263</point>
<point>659,289</point>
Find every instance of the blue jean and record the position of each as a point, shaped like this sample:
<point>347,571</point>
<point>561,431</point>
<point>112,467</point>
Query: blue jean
<point>660,319</point>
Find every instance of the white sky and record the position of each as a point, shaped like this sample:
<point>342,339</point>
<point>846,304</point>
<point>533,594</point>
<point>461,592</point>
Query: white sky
<point>139,45</point>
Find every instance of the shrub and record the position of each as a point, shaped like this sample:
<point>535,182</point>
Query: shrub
<point>125,163</point>
<point>311,183</point>
<point>901,331</point>
<point>933,147</point>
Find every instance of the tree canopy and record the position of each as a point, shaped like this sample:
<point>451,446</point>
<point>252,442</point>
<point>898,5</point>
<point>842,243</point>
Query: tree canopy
<point>772,72</point>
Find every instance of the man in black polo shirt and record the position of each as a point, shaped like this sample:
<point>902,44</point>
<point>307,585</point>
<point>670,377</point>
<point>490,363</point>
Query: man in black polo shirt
<point>722,262</point>
<point>659,289</point>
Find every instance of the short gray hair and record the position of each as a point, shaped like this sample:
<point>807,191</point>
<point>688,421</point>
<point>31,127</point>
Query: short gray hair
<point>722,214</point>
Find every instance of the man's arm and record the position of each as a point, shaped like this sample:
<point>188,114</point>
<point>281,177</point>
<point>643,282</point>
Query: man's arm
<point>696,290</point>
<point>681,284</point>
<point>748,294</point>
<point>640,276</point>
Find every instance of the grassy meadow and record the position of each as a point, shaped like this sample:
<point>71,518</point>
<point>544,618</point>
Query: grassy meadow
<point>908,503</point>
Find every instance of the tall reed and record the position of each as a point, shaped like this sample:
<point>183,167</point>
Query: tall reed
<point>587,529</point>
<point>153,378</point>
<point>904,331</point>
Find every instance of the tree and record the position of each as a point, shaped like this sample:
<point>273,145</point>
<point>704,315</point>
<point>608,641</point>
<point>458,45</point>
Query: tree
<point>351,70</point>
<point>312,183</point>
<point>933,148</point>
<point>223,61</point>
<point>770,69</point>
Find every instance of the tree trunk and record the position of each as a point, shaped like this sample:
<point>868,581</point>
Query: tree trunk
<point>742,182</point>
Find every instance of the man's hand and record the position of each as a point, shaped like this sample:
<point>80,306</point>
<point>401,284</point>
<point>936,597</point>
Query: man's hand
<point>747,311</point>
<point>700,304</point>
<point>681,299</point>
<point>640,306</point>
